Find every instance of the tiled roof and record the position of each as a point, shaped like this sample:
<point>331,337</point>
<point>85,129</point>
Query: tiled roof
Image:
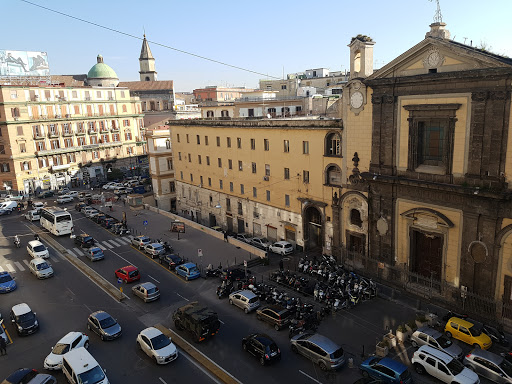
<point>147,85</point>
<point>69,80</point>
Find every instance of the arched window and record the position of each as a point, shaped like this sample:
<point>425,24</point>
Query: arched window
<point>147,78</point>
<point>209,113</point>
<point>357,61</point>
<point>355,218</point>
<point>5,167</point>
<point>333,175</point>
<point>333,145</point>
<point>224,113</point>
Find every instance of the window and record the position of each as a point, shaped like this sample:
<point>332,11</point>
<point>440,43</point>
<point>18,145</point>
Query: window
<point>23,148</point>
<point>178,137</point>
<point>40,145</point>
<point>126,123</point>
<point>54,144</point>
<point>68,143</point>
<point>228,204</point>
<point>219,160</point>
<point>253,166</point>
<point>224,113</point>
<point>240,165</point>
<point>207,160</point>
<point>267,169</point>
<point>206,140</point>
<point>268,195</point>
<point>240,208</point>
<point>266,144</point>
<point>209,181</point>
<point>14,94</point>
<point>191,178</point>
<point>287,200</point>
<point>179,156</point>
<point>128,135</point>
<point>95,155</point>
<point>253,144</point>
<point>19,130</point>
<point>124,108</point>
<point>254,192</point>
<point>167,144</point>
<point>230,186</point>
<point>250,112</point>
<point>286,146</point>
<point>172,186</point>
<point>5,167</point>
<point>218,141</point>
<point>333,174</point>
<point>283,86</point>
<point>241,189</point>
<point>169,164</point>
<point>181,175</point>
<point>105,138</point>
<point>305,177</point>
<point>355,218</point>
<point>199,160</point>
<point>25,166</point>
<point>287,173</point>
<point>198,138</point>
<point>71,158</point>
<point>230,164</point>
<point>239,143</point>
<point>333,145</point>
<point>305,147</point>
<point>228,142</point>
<point>98,94</point>
<point>115,137</point>
<point>220,184</point>
<point>189,158</point>
<point>209,114</point>
<point>187,138</point>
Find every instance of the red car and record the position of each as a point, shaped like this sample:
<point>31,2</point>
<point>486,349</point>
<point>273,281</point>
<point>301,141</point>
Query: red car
<point>128,274</point>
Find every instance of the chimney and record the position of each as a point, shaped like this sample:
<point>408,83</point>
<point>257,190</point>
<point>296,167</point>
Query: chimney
<point>438,30</point>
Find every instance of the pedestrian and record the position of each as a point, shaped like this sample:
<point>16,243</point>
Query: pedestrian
<point>3,346</point>
<point>281,265</point>
<point>124,202</point>
<point>226,236</point>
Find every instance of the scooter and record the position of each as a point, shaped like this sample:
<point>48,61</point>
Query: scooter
<point>224,289</point>
<point>17,241</point>
<point>211,272</point>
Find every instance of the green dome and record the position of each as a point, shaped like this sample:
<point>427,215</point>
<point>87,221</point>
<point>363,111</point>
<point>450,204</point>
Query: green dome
<point>100,70</point>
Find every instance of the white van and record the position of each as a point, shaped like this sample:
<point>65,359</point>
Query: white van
<point>33,215</point>
<point>10,205</point>
<point>79,367</point>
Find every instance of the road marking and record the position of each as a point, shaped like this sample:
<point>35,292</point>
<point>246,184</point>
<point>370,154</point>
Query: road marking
<point>102,247</point>
<point>71,291</point>
<point>127,241</point>
<point>1,269</point>
<point>184,298</point>
<point>71,252</point>
<point>151,277</point>
<point>115,244</point>
<point>108,245</point>
<point>312,378</point>
<point>19,265</point>
<point>27,263</point>
<point>162,380</point>
<point>118,255</point>
<point>10,268</point>
<point>222,322</point>
<point>78,252</point>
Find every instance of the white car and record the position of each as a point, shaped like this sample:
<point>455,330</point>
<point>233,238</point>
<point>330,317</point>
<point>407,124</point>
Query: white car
<point>157,346</point>
<point>91,212</point>
<point>72,194</point>
<point>107,186</point>
<point>72,340</point>
<point>64,199</point>
<point>33,215</point>
<point>281,247</point>
<point>38,205</point>
<point>40,268</point>
<point>36,249</point>
<point>64,191</point>
<point>88,210</point>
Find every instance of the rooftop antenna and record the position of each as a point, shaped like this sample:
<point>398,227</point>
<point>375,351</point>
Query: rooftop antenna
<point>438,17</point>
<point>465,38</point>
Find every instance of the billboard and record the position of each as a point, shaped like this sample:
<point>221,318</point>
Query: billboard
<point>23,63</point>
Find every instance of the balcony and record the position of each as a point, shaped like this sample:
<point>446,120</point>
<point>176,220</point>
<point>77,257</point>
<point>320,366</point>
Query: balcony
<point>92,131</point>
<point>104,130</point>
<point>38,136</point>
<point>53,134</point>
<point>114,129</point>
<point>67,133</point>
<point>80,132</point>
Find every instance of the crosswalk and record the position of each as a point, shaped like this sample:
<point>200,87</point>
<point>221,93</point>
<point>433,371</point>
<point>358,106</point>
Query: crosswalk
<point>23,265</point>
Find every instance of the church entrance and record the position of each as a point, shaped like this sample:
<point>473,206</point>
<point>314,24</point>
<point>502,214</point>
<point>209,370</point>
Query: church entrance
<point>313,229</point>
<point>426,256</point>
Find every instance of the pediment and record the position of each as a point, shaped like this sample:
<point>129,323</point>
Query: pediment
<point>440,55</point>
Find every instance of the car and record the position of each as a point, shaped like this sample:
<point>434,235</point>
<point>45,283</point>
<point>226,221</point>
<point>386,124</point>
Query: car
<point>3,335</point>
<point>442,366</point>
<point>63,191</point>
<point>319,349</point>
<point>281,247</point>
<point>386,369</point>
<point>84,240</point>
<point>88,210</point>
<point>107,186</point>
<point>368,380</point>
<point>36,249</point>
<point>80,206</point>
<point>38,205</point>
<point>33,215</point>
<point>70,341</point>
<point>64,199</point>
<point>245,299</point>
<point>21,376</point>
<point>233,274</point>
<point>128,274</point>
<point>276,315</point>
<point>154,249</point>
<point>146,291</point>
<point>262,347</point>
<point>430,336</point>
<point>466,332</point>
<point>46,194</point>
<point>260,242</point>
<point>489,365</point>
<point>122,190</point>
<point>99,217</point>
<point>43,378</point>
<point>171,261</point>
<point>5,211</point>
<point>84,196</point>
<point>7,283</point>
<point>104,325</point>
<point>9,206</point>
<point>141,241</point>
<point>188,270</point>
<point>93,214</point>
<point>73,194</point>
<point>40,268</point>
<point>23,319</point>
<point>157,346</point>
<point>95,253</point>
<point>79,367</point>
<point>108,222</point>
<point>244,237</point>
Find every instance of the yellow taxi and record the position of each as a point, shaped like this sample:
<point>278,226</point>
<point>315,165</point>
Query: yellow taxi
<point>467,332</point>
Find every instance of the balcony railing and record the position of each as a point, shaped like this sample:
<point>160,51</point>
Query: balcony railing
<point>53,134</point>
<point>114,129</point>
<point>80,132</point>
<point>104,130</point>
<point>38,136</point>
<point>92,131</point>
<point>67,133</point>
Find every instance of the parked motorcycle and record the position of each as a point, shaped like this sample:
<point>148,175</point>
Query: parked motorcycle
<point>17,241</point>
<point>213,272</point>
<point>224,289</point>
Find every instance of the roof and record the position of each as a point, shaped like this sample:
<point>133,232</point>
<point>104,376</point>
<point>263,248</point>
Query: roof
<point>70,80</point>
<point>69,337</point>
<point>151,332</point>
<point>80,360</point>
<point>197,311</point>
<point>487,355</point>
<point>129,268</point>
<point>327,344</point>
<point>462,322</point>
<point>101,71</point>
<point>20,309</point>
<point>35,243</point>
<point>392,364</point>
<point>147,85</point>
<point>189,265</point>
<point>145,52</point>
<point>100,315</point>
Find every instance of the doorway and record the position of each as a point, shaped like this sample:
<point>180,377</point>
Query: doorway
<point>241,225</point>
<point>426,254</point>
<point>313,228</point>
<point>212,220</point>
<point>229,222</point>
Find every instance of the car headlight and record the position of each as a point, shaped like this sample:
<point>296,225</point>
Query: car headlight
<point>36,323</point>
<point>20,328</point>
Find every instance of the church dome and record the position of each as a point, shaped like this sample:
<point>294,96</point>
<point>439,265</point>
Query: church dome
<point>102,75</point>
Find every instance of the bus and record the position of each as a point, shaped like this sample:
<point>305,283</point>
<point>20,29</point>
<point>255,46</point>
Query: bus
<point>56,220</point>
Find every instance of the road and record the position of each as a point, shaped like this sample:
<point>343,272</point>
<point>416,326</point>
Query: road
<point>64,301</point>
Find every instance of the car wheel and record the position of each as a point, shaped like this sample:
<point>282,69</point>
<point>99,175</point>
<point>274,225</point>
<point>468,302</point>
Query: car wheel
<point>295,350</point>
<point>262,360</point>
<point>414,344</point>
<point>322,365</point>
<point>419,368</point>
<point>86,344</point>
<point>230,301</point>
<point>477,346</point>
<point>277,328</point>
<point>448,334</point>
<point>365,374</point>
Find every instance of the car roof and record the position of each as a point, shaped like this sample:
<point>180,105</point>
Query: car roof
<point>262,338</point>
<point>69,337</point>
<point>275,308</point>
<point>143,237</point>
<point>446,358</point>
<point>147,285</point>
<point>282,243</point>
<point>393,364</point>
<point>188,265</point>
<point>246,293</point>
<point>21,309</point>
<point>35,243</point>
<point>462,322</point>
<point>42,378</point>
<point>151,332</point>
<point>154,245</point>
<point>80,360</point>
<point>94,249</point>
<point>496,359</point>
<point>38,260</point>
<point>19,374</point>
<point>129,268</point>
<point>100,315</point>
<point>327,344</point>
<point>5,274</point>
<point>429,331</point>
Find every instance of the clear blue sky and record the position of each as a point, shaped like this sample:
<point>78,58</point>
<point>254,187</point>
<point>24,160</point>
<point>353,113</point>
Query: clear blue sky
<point>263,36</point>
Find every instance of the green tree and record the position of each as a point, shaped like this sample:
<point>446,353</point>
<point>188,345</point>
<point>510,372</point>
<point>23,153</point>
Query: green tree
<point>115,174</point>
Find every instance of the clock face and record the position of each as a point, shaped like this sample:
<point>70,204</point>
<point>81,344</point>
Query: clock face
<point>356,100</point>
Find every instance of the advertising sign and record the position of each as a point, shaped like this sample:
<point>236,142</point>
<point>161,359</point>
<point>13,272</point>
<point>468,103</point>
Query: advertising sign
<point>178,226</point>
<point>23,63</point>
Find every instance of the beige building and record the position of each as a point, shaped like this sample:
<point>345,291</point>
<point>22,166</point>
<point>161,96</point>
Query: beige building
<point>161,167</point>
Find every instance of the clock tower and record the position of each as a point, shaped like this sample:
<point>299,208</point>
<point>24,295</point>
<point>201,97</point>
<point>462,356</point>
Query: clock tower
<point>361,56</point>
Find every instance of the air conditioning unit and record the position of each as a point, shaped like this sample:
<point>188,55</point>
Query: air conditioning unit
<point>266,178</point>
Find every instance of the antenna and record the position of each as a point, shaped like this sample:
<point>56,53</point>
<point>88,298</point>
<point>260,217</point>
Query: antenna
<point>438,17</point>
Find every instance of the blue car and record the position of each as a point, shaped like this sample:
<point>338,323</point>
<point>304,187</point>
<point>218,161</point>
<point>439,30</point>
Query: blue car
<point>386,370</point>
<point>7,283</point>
<point>189,271</point>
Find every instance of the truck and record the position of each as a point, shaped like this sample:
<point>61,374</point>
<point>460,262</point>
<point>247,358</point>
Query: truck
<point>198,320</point>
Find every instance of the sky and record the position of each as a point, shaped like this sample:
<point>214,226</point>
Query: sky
<point>270,37</point>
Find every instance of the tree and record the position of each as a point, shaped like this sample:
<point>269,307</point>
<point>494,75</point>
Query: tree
<point>115,174</point>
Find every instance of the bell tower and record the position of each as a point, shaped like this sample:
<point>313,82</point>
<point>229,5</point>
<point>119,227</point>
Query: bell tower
<point>361,56</point>
<point>147,63</point>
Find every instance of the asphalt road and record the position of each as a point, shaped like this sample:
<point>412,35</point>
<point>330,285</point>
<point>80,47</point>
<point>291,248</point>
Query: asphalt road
<point>64,301</point>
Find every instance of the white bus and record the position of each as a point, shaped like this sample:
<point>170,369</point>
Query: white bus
<point>56,220</point>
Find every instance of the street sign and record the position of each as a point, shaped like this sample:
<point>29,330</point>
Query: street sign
<point>145,222</point>
<point>200,253</point>
<point>245,263</point>
<point>120,281</point>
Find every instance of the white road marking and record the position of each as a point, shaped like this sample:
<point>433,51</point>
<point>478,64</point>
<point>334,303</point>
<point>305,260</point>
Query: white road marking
<point>312,378</point>
<point>126,240</point>
<point>19,265</point>
<point>1,269</point>
<point>151,277</point>
<point>102,247</point>
<point>115,244</point>
<point>118,255</point>
<point>71,252</point>
<point>162,380</point>
<point>27,263</point>
<point>108,245</point>
<point>78,252</point>
<point>184,298</point>
<point>10,268</point>
<point>222,322</point>
<point>71,292</point>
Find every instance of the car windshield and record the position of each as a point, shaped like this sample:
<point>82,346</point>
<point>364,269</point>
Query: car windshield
<point>107,322</point>
<point>337,354</point>
<point>87,238</point>
<point>96,251</point>
<point>475,332</point>
<point>160,341</point>
<point>60,349</point>
<point>443,341</point>
<point>405,376</point>
<point>92,376</point>
<point>193,270</point>
<point>506,367</point>
<point>29,316</point>
<point>455,367</point>
<point>42,266</point>
<point>5,278</point>
<point>39,248</point>
<point>158,247</point>
<point>63,218</point>
<point>152,290</point>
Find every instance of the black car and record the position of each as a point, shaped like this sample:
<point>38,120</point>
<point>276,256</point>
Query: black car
<point>24,320</point>
<point>84,240</point>
<point>171,261</point>
<point>46,194</point>
<point>108,222</point>
<point>98,218</point>
<point>104,325</point>
<point>233,274</point>
<point>80,206</point>
<point>21,376</point>
<point>263,347</point>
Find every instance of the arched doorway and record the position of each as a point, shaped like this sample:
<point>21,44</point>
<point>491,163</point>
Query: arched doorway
<point>313,229</point>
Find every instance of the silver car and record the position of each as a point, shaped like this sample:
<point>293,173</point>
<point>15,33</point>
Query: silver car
<point>154,249</point>
<point>489,365</point>
<point>146,291</point>
<point>157,346</point>
<point>246,300</point>
<point>429,336</point>
<point>319,349</point>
